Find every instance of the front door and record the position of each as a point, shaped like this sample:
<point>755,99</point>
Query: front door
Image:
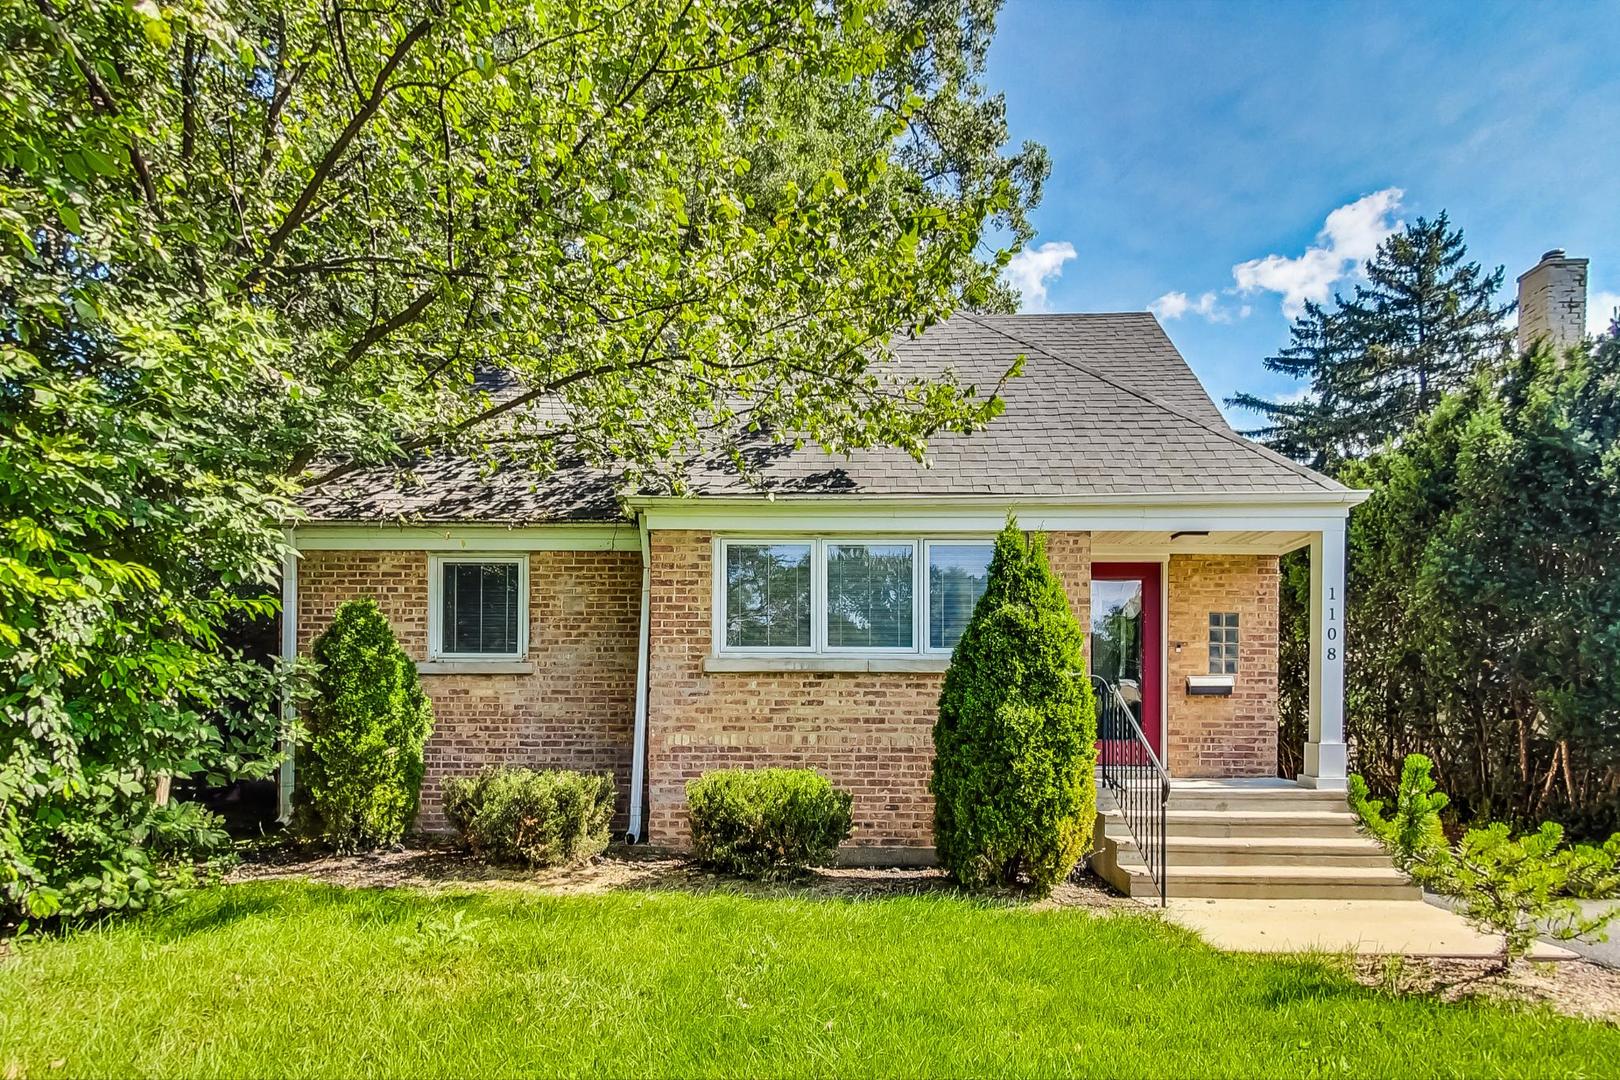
<point>1126,640</point>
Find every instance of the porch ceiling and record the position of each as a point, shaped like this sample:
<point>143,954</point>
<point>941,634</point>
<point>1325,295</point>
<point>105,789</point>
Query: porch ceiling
<point>1236,542</point>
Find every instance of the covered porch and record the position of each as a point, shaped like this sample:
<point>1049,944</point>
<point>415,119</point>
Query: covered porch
<point>1183,624</point>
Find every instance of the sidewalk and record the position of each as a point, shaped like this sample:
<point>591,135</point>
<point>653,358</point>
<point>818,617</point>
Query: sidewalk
<point>1368,927</point>
<point>1606,953</point>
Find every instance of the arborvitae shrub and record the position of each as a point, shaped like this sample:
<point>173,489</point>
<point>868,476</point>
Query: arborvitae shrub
<point>1015,743</point>
<point>360,774</point>
<point>531,817</point>
<point>766,822</point>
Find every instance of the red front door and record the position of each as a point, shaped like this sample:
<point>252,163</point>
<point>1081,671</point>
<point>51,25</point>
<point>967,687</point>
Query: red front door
<point>1126,638</point>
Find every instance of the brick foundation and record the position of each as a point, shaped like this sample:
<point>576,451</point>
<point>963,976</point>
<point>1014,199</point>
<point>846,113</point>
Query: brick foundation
<point>1223,736</point>
<point>575,711</point>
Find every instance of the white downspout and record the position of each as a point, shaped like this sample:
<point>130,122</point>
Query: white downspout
<point>289,653</point>
<point>638,757</point>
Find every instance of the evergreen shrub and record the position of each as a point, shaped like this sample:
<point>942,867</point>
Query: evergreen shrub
<point>1015,743</point>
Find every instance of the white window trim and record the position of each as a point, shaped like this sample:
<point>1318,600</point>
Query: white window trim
<point>925,627</point>
<point>820,609</point>
<point>719,604</point>
<point>436,565</point>
<point>921,546</point>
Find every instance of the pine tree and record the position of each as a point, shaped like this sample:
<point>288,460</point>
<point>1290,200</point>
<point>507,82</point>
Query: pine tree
<point>1015,743</point>
<point>1425,321</point>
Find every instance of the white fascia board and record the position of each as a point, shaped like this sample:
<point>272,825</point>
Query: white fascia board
<point>477,538</point>
<point>976,515</point>
<point>1278,543</point>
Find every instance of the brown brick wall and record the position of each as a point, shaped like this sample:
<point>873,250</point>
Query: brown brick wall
<point>870,733</point>
<point>576,710</point>
<point>1223,736</point>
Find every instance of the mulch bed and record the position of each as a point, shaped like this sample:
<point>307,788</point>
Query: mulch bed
<point>1572,987</point>
<point>439,868</point>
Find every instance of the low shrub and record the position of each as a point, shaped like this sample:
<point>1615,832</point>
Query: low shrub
<point>360,774</point>
<point>1521,887</point>
<point>766,822</point>
<point>531,817</point>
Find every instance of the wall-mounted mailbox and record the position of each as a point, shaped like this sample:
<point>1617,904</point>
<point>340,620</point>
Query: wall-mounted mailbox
<point>1210,684</point>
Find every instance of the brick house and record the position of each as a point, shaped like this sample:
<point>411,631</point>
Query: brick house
<point>809,623</point>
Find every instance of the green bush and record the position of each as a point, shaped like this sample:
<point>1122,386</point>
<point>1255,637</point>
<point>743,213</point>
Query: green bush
<point>1414,835</point>
<point>1015,743</point>
<point>766,822</point>
<point>531,817</point>
<point>1520,887</point>
<point>360,774</point>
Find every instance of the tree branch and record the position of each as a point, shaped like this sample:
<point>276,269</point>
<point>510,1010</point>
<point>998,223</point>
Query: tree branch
<point>102,99</point>
<point>368,108</point>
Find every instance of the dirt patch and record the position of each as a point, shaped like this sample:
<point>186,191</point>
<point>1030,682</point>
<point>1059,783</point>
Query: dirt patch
<point>1572,987</point>
<point>435,868</point>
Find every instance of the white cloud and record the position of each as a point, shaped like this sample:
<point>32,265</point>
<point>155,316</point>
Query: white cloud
<point>1033,269</point>
<point>1173,305</point>
<point>1600,310</point>
<point>1348,237</point>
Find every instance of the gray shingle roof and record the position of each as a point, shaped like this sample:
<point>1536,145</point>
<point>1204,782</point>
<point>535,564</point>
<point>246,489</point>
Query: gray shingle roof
<point>1106,406</point>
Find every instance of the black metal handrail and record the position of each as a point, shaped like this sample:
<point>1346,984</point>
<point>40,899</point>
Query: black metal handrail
<point>1137,778</point>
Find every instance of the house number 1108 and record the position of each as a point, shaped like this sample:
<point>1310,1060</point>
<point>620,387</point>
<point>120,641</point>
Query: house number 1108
<point>1331,630</point>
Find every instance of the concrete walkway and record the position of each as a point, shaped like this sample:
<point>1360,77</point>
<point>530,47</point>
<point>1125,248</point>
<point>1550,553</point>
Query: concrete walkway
<point>1606,953</point>
<point>1369,927</point>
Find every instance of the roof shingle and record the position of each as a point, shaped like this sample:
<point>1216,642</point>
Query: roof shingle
<point>1105,406</point>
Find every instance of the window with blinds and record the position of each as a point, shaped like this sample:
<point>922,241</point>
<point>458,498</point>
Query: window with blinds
<point>841,596</point>
<point>480,609</point>
<point>957,575</point>
<point>871,599</point>
<point>767,596</point>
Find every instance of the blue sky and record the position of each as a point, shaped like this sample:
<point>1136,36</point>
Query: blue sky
<point>1199,149</point>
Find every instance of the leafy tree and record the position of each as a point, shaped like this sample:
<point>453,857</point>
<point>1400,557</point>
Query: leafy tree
<point>1483,591</point>
<point>1015,743</point>
<point>248,244</point>
<point>1424,322</point>
<point>360,778</point>
<point>129,535</point>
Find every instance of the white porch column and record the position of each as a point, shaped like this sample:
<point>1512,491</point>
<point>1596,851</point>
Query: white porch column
<point>1324,742</point>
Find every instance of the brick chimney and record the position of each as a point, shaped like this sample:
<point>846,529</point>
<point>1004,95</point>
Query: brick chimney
<point>1552,301</point>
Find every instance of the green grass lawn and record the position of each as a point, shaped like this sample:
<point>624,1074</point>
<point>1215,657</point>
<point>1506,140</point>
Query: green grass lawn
<point>278,979</point>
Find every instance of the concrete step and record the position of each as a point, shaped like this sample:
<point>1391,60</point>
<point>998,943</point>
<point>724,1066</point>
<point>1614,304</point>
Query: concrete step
<point>1277,882</point>
<point>1275,850</point>
<point>1260,823</point>
<point>1302,799</point>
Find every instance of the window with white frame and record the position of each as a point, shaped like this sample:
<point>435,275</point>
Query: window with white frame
<point>767,596</point>
<point>478,607</point>
<point>841,596</point>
